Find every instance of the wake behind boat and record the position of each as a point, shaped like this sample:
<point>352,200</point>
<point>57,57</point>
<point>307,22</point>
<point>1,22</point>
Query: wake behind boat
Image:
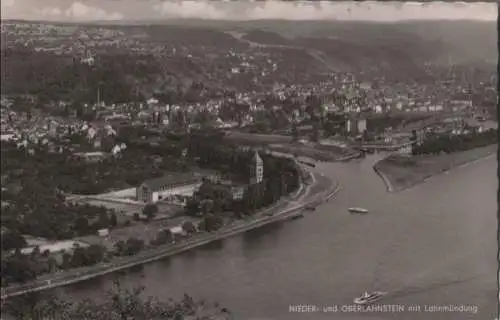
<point>297,215</point>
<point>358,210</point>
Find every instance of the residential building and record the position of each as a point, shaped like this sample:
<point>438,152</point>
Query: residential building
<point>238,192</point>
<point>355,126</point>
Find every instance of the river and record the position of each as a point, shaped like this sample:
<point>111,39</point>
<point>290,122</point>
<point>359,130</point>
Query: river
<point>434,244</point>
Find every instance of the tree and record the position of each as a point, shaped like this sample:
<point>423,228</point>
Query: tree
<point>212,222</point>
<point>95,254</point>
<point>66,260</point>
<point>79,258</point>
<point>315,132</point>
<point>35,306</point>
<point>35,253</point>
<point>150,210</point>
<point>295,133</point>
<point>366,135</point>
<point>192,207</point>
<point>206,206</point>
<point>117,304</point>
<point>13,240</point>
<point>104,220</point>
<point>413,135</point>
<point>82,226</point>
<point>136,216</point>
<point>133,246</point>
<point>120,248</point>
<point>164,236</point>
<point>113,220</point>
<point>189,227</point>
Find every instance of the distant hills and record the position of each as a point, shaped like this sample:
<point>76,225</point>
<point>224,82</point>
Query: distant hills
<point>462,41</point>
<point>398,51</point>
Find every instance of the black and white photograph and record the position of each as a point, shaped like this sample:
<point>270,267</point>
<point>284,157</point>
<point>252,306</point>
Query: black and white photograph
<point>249,160</point>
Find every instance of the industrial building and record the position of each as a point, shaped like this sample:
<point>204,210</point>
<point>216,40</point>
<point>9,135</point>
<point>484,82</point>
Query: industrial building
<point>153,190</point>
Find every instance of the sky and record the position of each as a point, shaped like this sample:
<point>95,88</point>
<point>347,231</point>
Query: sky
<point>92,10</point>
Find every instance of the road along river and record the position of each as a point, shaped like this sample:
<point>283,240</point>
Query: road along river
<point>432,245</point>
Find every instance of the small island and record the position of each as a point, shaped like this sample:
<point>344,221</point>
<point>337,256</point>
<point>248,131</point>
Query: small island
<point>435,154</point>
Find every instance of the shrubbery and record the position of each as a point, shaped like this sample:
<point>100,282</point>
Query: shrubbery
<point>454,143</point>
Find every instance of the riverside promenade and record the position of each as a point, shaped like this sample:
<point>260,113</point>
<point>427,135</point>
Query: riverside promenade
<point>320,189</point>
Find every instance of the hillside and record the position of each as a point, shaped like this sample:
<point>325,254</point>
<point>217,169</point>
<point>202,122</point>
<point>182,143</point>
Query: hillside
<point>144,61</point>
<point>468,41</point>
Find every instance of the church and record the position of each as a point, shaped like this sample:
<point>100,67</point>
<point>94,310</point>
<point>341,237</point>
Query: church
<point>257,174</point>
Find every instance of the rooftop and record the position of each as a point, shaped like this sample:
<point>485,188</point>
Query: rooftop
<point>256,157</point>
<point>172,179</point>
<point>55,246</point>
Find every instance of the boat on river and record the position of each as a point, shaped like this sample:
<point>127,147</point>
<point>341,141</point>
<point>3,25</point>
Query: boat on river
<point>367,298</point>
<point>358,210</point>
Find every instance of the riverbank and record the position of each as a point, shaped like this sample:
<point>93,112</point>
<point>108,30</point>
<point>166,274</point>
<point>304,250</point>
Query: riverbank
<point>402,172</point>
<point>294,203</point>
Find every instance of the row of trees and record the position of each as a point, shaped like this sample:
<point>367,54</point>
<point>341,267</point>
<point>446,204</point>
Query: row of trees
<point>20,268</point>
<point>454,143</point>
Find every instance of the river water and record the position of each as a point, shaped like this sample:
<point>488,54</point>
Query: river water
<point>434,244</point>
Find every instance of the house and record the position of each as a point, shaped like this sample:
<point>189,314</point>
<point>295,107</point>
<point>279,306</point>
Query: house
<point>153,190</point>
<point>355,126</point>
<point>405,150</point>
<point>365,85</point>
<point>238,192</point>
<point>103,232</point>
<point>178,230</point>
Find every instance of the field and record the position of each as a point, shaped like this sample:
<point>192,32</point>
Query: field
<point>140,230</point>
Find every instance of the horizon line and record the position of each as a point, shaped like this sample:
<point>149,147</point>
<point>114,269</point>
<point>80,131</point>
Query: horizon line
<point>159,20</point>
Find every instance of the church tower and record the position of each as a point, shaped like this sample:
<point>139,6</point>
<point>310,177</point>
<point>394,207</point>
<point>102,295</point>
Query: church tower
<point>257,168</point>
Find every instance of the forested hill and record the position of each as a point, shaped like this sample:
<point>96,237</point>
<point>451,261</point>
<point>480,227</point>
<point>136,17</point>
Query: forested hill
<point>464,39</point>
<point>138,59</point>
